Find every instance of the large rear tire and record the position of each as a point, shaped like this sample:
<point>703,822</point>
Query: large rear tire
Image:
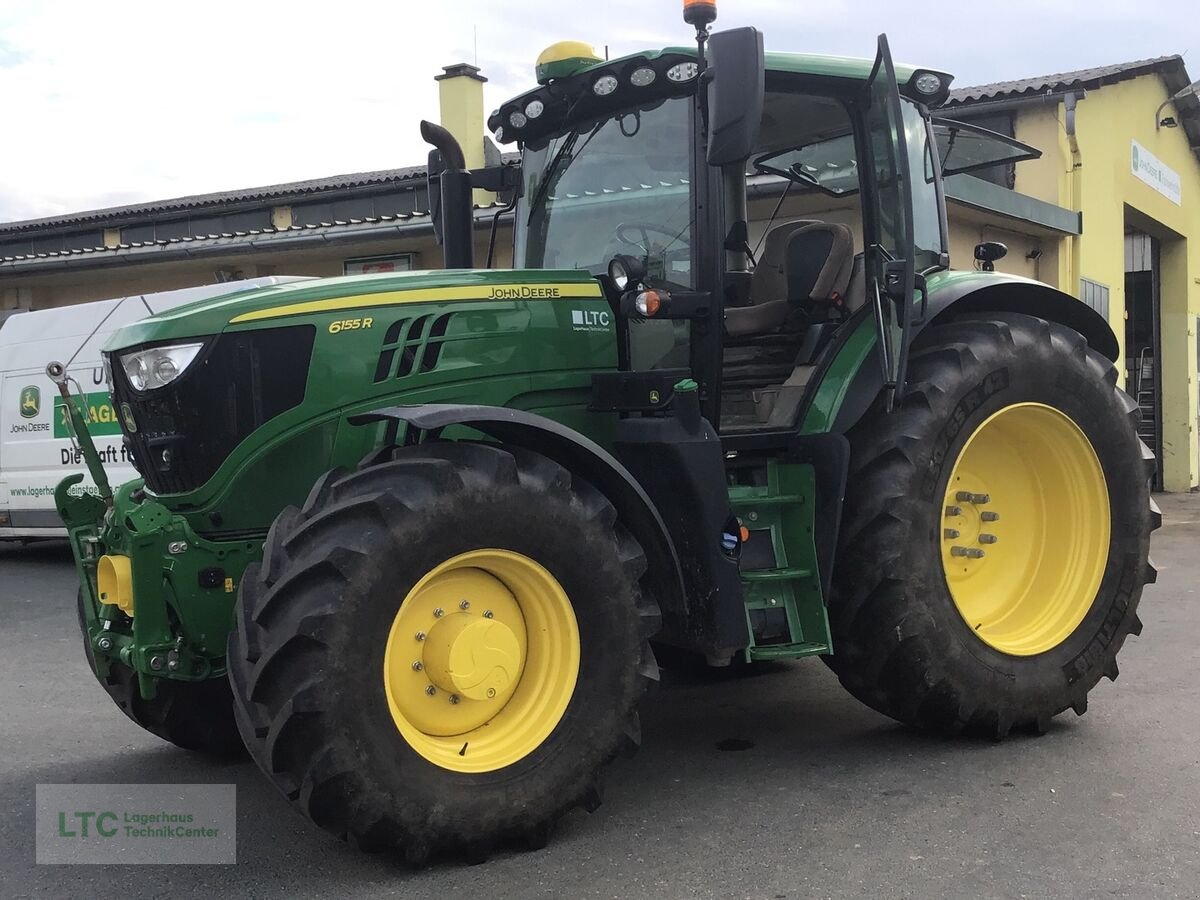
<point>442,650</point>
<point>194,715</point>
<point>996,532</point>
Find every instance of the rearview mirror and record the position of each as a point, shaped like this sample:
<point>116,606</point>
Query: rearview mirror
<point>736,69</point>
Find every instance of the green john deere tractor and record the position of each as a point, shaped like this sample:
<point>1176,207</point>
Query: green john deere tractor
<point>412,538</point>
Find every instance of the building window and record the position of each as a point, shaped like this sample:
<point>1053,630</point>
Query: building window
<point>372,265</point>
<point>1095,295</point>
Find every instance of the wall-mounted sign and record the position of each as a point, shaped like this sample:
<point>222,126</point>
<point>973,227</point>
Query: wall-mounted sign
<point>371,265</point>
<point>1156,173</point>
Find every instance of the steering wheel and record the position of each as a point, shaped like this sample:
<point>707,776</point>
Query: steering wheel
<point>644,230</point>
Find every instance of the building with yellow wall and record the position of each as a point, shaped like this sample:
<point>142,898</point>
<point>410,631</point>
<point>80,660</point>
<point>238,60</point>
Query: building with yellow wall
<point>1110,213</point>
<point>1121,146</point>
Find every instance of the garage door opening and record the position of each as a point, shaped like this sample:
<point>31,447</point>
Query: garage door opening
<point>1143,375</point>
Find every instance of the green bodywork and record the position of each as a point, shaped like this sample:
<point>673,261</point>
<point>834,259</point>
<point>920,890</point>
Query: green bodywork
<point>527,354</point>
<point>520,353</point>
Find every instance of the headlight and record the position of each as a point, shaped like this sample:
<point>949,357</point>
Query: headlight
<point>158,366</point>
<point>928,84</point>
<point>618,273</point>
<point>642,77</point>
<point>681,72</point>
<point>626,271</point>
<point>604,85</point>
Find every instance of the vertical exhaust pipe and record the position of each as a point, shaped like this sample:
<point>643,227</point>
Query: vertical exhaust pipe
<point>449,184</point>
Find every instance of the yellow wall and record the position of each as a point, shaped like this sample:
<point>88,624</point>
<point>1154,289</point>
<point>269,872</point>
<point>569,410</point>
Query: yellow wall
<point>1099,181</point>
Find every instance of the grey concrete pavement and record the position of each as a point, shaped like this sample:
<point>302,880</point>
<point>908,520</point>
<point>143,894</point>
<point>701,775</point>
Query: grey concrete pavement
<point>830,799</point>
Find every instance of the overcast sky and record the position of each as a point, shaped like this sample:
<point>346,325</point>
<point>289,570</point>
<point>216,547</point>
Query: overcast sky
<point>106,103</point>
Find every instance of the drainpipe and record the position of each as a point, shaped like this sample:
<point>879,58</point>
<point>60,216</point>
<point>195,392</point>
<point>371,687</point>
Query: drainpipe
<point>1074,183</point>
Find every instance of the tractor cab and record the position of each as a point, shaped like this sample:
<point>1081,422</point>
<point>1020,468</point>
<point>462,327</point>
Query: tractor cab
<point>744,211</point>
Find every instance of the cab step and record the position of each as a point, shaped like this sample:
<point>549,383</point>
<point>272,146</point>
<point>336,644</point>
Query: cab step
<point>785,610</point>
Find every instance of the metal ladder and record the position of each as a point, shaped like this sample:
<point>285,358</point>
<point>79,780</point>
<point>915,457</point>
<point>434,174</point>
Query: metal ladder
<point>1145,395</point>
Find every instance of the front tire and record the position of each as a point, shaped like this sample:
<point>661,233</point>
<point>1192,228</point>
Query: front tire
<point>193,715</point>
<point>441,650</point>
<point>996,532</point>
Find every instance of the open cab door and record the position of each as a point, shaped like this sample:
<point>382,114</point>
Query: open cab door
<point>890,264</point>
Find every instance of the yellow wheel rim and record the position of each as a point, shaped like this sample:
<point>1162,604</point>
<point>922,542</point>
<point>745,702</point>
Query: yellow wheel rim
<point>1025,529</point>
<point>481,661</point>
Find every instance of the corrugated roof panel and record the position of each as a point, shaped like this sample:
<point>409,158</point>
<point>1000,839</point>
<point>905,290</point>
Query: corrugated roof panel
<point>1063,80</point>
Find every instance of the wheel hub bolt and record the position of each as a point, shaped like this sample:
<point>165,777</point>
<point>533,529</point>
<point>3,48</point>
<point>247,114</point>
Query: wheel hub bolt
<point>953,511</point>
<point>454,699</point>
<point>950,533</point>
<point>487,613</point>
<point>438,613</point>
<point>491,693</point>
<point>968,552</point>
<point>417,666</point>
<point>988,516</point>
<point>420,635</point>
<point>968,497</point>
<point>988,539</point>
<point>431,690</point>
<point>464,604</point>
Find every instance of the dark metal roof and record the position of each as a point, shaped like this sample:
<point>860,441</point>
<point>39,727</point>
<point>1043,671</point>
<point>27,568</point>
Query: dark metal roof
<point>1170,68</point>
<point>367,228</point>
<point>275,192</point>
<point>1081,78</point>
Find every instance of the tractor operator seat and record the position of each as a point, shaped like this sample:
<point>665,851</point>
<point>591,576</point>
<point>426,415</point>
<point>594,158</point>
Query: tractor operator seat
<point>803,264</point>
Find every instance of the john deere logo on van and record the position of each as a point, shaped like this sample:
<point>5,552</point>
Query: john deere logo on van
<point>31,401</point>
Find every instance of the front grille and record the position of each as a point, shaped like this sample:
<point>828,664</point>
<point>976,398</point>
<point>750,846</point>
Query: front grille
<point>240,381</point>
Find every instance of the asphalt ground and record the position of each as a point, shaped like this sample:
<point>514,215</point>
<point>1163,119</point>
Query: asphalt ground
<point>825,798</point>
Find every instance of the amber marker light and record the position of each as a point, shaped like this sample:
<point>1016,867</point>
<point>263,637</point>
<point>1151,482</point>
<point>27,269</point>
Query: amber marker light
<point>648,303</point>
<point>699,12</point>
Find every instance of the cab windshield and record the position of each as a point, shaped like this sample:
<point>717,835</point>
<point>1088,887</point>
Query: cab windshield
<point>616,185</point>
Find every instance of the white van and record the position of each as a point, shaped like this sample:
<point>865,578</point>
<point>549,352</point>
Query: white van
<point>36,450</point>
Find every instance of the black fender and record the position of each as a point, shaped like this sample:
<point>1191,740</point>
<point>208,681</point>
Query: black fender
<point>985,292</point>
<point>1015,294</point>
<point>570,449</point>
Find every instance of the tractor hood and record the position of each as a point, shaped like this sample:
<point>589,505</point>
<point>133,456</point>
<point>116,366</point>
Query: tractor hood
<point>353,295</point>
